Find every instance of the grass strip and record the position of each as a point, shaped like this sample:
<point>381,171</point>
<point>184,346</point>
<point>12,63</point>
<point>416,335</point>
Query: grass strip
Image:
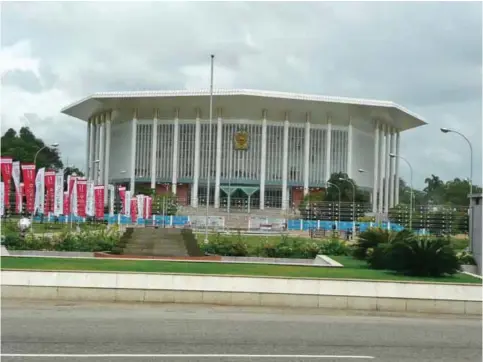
<point>354,269</point>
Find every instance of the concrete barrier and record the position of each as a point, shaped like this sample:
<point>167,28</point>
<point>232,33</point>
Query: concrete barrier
<point>245,291</point>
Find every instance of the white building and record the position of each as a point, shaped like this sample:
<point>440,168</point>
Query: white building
<point>271,146</point>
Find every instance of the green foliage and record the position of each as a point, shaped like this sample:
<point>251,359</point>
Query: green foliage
<point>424,257</point>
<point>225,246</point>
<point>165,204</point>
<point>85,241</point>
<point>466,258</point>
<point>407,254</point>
<point>287,247</point>
<point>24,145</point>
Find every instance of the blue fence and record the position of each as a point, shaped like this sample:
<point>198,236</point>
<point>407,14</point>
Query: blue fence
<point>180,221</point>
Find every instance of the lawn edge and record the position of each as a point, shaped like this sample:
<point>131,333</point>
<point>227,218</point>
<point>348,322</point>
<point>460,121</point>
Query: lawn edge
<point>240,275</point>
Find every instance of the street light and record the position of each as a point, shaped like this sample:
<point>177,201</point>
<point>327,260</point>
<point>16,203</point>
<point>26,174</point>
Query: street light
<point>470,214</point>
<point>353,203</point>
<point>392,155</point>
<point>447,130</point>
<point>338,189</point>
<point>53,145</point>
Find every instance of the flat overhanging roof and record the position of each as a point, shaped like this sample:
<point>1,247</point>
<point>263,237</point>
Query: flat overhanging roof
<point>390,112</point>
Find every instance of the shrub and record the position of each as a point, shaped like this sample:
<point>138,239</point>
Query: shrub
<point>334,247</point>
<point>225,246</point>
<point>372,238</point>
<point>86,241</point>
<point>423,257</point>
<point>466,258</point>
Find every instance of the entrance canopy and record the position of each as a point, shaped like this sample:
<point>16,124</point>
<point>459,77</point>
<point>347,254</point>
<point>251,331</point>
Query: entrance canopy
<point>247,190</point>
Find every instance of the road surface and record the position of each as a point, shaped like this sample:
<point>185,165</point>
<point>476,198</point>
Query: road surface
<point>52,331</point>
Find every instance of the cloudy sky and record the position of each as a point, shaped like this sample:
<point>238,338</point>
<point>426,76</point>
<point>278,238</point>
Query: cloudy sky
<point>425,56</point>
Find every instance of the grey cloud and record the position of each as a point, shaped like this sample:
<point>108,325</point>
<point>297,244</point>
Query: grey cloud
<point>26,80</point>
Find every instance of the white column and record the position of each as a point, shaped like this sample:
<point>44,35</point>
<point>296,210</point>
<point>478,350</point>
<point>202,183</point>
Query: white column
<point>101,150</point>
<point>392,167</point>
<point>174,180</point>
<point>285,163</point>
<point>328,140</point>
<point>396,177</point>
<point>381,169</point>
<point>95,168</point>
<point>263,159</point>
<point>154,148</point>
<point>219,133</point>
<point>306,154</point>
<point>134,126</point>
<point>350,135</point>
<point>91,147</point>
<point>88,150</point>
<point>107,154</point>
<point>387,169</point>
<point>196,172</point>
<point>375,184</point>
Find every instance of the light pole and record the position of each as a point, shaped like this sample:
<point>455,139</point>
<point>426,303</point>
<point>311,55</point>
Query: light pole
<point>209,151</point>
<point>470,214</point>
<point>53,145</point>
<point>338,189</point>
<point>392,155</point>
<point>447,130</point>
<point>353,204</point>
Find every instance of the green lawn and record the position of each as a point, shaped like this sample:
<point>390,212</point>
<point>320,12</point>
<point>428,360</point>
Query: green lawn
<point>354,270</point>
<point>50,227</point>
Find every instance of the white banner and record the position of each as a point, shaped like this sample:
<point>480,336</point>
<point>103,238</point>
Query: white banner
<point>127,204</point>
<point>16,181</point>
<point>140,206</point>
<point>111,196</point>
<point>2,200</point>
<point>59,193</point>
<point>73,200</point>
<point>40,191</point>
<point>90,211</point>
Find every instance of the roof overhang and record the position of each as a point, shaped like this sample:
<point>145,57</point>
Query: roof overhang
<point>99,102</point>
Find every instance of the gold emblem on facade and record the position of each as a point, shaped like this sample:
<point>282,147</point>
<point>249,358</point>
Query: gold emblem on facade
<point>241,140</point>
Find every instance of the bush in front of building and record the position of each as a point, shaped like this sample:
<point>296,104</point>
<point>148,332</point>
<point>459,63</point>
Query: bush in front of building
<point>85,241</point>
<point>405,253</point>
<point>271,247</point>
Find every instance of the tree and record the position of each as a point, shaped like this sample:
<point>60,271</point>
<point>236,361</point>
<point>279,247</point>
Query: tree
<point>68,171</point>
<point>346,189</point>
<point>23,147</point>
<point>325,205</point>
<point>434,189</point>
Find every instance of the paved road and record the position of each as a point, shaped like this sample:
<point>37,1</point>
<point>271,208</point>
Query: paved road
<point>107,331</point>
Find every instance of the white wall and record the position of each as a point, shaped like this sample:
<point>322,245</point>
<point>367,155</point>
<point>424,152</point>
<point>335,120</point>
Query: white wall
<point>363,157</point>
<point>120,157</point>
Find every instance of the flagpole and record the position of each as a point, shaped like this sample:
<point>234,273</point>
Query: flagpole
<point>209,151</point>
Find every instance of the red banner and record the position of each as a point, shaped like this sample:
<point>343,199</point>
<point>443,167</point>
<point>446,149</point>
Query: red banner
<point>148,207</point>
<point>6,169</point>
<point>122,196</point>
<point>66,206</point>
<point>99,201</point>
<point>49,191</point>
<point>134,210</point>
<point>28,176</point>
<point>81,197</point>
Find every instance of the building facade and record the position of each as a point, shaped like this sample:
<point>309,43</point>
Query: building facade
<point>270,148</point>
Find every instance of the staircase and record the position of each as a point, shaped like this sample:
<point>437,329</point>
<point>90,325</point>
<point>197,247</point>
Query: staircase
<point>150,241</point>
